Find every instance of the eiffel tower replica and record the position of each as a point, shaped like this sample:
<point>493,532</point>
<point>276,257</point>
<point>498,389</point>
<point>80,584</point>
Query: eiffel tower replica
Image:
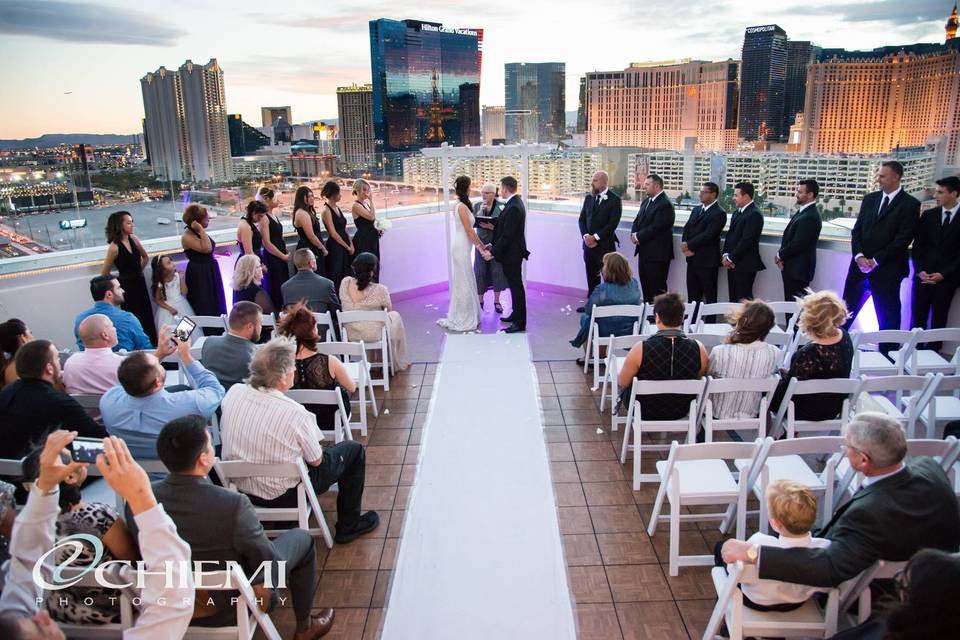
<point>435,134</point>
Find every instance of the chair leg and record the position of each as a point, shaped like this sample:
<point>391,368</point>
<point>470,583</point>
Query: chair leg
<point>657,506</point>
<point>674,531</point>
<point>626,435</point>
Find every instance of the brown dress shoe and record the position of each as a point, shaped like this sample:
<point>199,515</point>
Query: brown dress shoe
<point>320,625</point>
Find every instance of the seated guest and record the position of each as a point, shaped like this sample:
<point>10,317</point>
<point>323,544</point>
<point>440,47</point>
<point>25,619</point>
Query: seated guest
<point>900,509</point>
<point>107,297</point>
<point>744,354</point>
<point>167,595</point>
<point>248,281</point>
<point>618,287</point>
<point>792,509</point>
<point>228,356</point>
<point>94,370</point>
<point>309,287</point>
<point>14,334</point>
<point>139,406</point>
<point>84,605</point>
<point>32,406</point>
<point>360,293</point>
<point>194,502</point>
<point>263,426</point>
<point>829,354</point>
<point>666,355</point>
<point>315,370</point>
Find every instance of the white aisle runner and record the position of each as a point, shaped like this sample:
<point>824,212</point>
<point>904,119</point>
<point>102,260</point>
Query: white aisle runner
<point>481,555</point>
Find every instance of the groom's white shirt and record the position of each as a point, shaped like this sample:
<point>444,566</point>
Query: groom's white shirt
<point>504,202</point>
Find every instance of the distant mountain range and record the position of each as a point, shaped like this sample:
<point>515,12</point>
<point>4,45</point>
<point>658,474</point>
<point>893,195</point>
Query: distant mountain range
<point>54,139</point>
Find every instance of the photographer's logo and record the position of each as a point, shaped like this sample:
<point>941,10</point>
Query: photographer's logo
<point>75,545</point>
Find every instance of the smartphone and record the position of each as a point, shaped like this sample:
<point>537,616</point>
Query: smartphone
<point>184,329</point>
<point>86,449</point>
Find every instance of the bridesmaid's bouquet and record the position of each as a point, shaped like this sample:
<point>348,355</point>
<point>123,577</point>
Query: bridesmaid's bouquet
<point>382,224</point>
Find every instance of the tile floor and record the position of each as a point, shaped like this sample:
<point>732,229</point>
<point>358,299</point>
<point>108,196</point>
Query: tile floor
<point>618,574</point>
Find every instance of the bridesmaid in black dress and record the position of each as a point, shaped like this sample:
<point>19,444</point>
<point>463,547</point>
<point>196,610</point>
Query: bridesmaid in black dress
<point>367,237</point>
<point>307,224</point>
<point>128,255</point>
<point>275,254</point>
<point>204,283</point>
<point>248,230</point>
<point>339,245</point>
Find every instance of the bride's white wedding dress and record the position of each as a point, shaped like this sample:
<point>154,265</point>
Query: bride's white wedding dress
<point>464,311</point>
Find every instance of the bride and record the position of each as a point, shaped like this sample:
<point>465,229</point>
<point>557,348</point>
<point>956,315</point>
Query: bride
<point>464,311</point>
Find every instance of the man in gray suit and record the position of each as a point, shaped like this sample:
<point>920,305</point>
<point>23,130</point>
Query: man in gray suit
<point>221,525</point>
<point>318,292</point>
<point>900,509</point>
<point>228,356</point>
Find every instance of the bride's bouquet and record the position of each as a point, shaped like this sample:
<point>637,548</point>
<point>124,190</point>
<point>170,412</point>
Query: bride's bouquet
<point>382,224</point>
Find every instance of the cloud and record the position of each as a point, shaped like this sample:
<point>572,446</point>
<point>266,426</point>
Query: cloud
<point>85,23</point>
<point>894,11</point>
<point>299,74</point>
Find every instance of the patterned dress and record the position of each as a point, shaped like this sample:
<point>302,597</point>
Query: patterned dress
<point>375,298</point>
<point>817,362</point>
<point>754,360</point>
<point>667,355</point>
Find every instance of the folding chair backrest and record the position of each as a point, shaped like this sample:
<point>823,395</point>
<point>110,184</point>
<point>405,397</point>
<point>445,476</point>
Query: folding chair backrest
<point>89,401</point>
<point>688,312</point>
<point>875,338</point>
<point>618,310</point>
<point>342,349</point>
<point>834,386</point>
<point>680,387</point>
<point>267,320</point>
<point>708,340</point>
<point>361,316</point>
<point>895,383</point>
<point>210,322</point>
<point>11,467</point>
<point>326,397</point>
<point>787,307</point>
<point>733,385</point>
<point>249,614</point>
<point>714,450</point>
<point>938,335</point>
<point>624,343</point>
<point>722,309</point>
<point>948,384</point>
<point>324,324</point>
<point>945,450</point>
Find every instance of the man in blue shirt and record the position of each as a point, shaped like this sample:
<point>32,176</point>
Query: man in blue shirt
<point>137,408</point>
<point>107,297</point>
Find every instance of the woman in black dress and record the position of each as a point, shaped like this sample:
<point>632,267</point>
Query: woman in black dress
<point>204,283</point>
<point>248,230</point>
<point>367,237</point>
<point>129,256</point>
<point>307,224</point>
<point>339,245</point>
<point>275,255</point>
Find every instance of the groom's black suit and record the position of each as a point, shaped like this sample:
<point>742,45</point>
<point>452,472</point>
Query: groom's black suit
<point>510,250</point>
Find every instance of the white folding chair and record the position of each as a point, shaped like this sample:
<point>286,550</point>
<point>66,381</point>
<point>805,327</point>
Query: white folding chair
<point>11,467</point>
<point>943,407</point>
<point>784,460</point>
<point>791,312</point>
<point>385,364</point>
<point>874,392</point>
<point>307,502</point>
<point>211,322</point>
<point>617,349</point>
<point>636,425</point>
<point>869,360</point>
<point>786,414</point>
<point>708,340</point>
<point>353,355</point>
<point>595,341</point>
<point>249,614</point>
<point>325,325</point>
<point>330,398</point>
<point>88,579</point>
<point>715,309</point>
<point>716,386</point>
<point>943,451</point>
<point>698,475</point>
<point>649,326</point>
<point>809,621</point>
<point>923,361</point>
<point>858,589</point>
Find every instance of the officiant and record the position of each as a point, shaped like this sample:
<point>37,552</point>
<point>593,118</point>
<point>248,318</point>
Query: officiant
<point>489,272</point>
<point>599,218</point>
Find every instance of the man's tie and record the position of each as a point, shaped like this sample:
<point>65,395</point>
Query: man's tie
<point>883,206</point>
<point>946,220</point>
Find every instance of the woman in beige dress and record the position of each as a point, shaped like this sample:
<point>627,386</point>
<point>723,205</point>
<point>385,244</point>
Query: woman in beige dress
<point>360,293</point>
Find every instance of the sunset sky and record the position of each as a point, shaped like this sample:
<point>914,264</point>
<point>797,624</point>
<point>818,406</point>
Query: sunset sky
<point>297,52</point>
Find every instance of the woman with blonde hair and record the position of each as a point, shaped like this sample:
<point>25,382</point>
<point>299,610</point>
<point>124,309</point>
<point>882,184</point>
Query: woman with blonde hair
<point>367,237</point>
<point>829,354</point>
<point>248,283</point>
<point>618,287</point>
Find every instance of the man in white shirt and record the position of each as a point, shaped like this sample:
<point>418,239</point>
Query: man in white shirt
<point>261,425</point>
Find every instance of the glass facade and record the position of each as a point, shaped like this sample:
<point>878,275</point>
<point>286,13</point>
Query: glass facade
<point>426,85</point>
<point>800,53</point>
<point>539,88</point>
<point>763,77</point>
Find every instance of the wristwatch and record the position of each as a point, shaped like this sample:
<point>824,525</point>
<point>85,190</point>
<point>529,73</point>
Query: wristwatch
<point>753,553</point>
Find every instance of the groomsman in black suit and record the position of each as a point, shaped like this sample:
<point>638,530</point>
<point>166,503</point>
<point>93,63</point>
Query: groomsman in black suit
<point>652,233</point>
<point>883,231</point>
<point>700,243</point>
<point>797,258</point>
<point>599,218</point>
<point>741,247</point>
<point>509,248</point>
<point>936,257</point>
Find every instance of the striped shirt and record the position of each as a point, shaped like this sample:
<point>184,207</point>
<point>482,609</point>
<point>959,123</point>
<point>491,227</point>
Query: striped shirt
<point>267,427</point>
<point>755,360</point>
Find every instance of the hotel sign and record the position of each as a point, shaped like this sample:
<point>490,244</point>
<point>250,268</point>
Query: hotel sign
<point>464,32</point>
<point>763,29</point>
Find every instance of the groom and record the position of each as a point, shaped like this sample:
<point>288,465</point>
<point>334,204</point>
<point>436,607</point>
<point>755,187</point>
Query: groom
<point>509,248</point>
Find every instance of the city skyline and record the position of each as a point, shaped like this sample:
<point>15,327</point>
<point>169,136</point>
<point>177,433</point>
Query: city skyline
<point>298,57</point>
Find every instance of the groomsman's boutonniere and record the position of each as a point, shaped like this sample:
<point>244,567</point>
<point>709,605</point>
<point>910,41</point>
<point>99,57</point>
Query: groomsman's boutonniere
<point>603,197</point>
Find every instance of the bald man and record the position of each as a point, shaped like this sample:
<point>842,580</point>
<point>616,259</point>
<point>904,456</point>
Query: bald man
<point>94,370</point>
<point>599,218</point>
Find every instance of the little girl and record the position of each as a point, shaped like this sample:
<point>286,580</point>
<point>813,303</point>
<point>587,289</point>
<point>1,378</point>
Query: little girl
<point>169,292</point>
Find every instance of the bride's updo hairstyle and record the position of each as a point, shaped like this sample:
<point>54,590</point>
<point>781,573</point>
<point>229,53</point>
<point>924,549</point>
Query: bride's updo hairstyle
<point>462,188</point>
<point>364,269</point>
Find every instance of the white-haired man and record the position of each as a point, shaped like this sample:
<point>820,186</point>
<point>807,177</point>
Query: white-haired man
<point>599,218</point>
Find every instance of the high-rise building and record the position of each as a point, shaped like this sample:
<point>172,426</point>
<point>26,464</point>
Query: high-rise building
<point>355,117</point>
<point>659,105</point>
<point>426,80</point>
<point>494,128</point>
<point>523,123</point>
<point>800,54</point>
<point>880,100</point>
<point>582,106</point>
<point>269,115</point>
<point>763,78</point>
<point>244,139</point>
<point>81,160</point>
<point>538,87</point>
<point>186,123</point>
